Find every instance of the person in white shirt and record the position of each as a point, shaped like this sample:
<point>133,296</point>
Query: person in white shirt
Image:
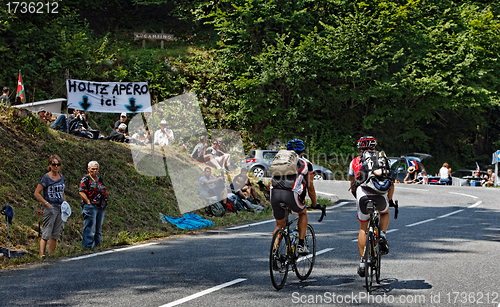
<point>445,174</point>
<point>163,136</point>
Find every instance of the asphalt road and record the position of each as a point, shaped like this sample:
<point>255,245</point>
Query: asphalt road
<point>444,251</point>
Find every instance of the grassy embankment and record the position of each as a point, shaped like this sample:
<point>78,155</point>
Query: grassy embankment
<point>135,200</point>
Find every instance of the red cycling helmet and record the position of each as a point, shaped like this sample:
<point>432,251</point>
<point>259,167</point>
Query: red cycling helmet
<point>366,142</point>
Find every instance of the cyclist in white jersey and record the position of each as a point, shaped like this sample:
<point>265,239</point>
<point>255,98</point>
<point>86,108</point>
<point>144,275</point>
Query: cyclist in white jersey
<point>361,195</point>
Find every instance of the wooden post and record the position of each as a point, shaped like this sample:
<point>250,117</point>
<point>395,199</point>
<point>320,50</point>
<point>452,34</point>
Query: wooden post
<point>162,39</point>
<point>143,40</point>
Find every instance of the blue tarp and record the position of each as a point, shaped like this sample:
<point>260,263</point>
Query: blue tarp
<point>188,221</point>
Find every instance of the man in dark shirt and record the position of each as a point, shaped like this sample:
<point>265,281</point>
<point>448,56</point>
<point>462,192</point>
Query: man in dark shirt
<point>4,99</point>
<point>123,118</point>
<point>119,135</point>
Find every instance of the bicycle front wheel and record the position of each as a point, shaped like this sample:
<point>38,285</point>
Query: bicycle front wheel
<point>278,259</point>
<point>304,264</point>
<point>368,262</point>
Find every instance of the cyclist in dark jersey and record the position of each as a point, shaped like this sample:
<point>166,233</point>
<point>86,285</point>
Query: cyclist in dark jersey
<point>292,190</point>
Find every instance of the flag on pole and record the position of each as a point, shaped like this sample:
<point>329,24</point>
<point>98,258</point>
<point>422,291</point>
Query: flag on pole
<point>477,167</point>
<point>20,89</point>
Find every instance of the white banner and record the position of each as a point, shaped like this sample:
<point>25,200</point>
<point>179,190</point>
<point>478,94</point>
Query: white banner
<point>108,97</point>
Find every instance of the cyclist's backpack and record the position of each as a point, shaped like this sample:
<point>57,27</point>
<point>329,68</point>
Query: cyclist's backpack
<point>216,209</point>
<point>373,172</point>
<point>284,163</point>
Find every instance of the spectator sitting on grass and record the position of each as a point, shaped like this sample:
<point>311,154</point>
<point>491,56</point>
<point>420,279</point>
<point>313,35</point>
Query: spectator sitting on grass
<point>123,118</point>
<point>41,115</point>
<point>489,178</point>
<point>212,188</point>
<point>60,124</point>
<point>243,188</point>
<point>118,135</point>
<point>201,154</point>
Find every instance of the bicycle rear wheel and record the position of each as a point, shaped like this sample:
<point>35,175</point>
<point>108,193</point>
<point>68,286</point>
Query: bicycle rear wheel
<point>278,262</point>
<point>304,264</point>
<point>377,267</point>
<point>368,262</point>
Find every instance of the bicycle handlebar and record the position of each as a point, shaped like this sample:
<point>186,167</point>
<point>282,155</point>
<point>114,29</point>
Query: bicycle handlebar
<point>396,209</point>
<point>323,211</point>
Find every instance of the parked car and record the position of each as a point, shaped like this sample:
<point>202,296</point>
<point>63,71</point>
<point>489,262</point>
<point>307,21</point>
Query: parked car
<point>465,177</point>
<point>259,161</point>
<point>399,165</point>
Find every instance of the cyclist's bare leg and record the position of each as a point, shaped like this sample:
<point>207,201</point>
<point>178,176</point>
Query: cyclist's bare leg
<point>384,221</point>
<point>391,192</point>
<point>279,224</point>
<point>302,223</point>
<point>363,226</point>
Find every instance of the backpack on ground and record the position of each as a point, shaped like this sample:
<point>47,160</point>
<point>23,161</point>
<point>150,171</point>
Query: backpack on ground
<point>374,174</point>
<point>284,163</point>
<point>216,209</point>
<point>236,202</point>
<point>230,205</point>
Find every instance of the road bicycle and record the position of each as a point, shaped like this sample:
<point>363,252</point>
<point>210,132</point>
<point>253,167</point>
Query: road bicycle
<point>372,255</point>
<point>284,255</point>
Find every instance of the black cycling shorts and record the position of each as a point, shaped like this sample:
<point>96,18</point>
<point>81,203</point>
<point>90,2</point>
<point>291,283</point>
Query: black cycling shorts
<point>293,201</point>
<point>380,203</point>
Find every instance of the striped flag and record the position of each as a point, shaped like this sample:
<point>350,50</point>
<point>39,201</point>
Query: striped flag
<point>20,89</point>
<point>477,167</point>
<point>412,163</point>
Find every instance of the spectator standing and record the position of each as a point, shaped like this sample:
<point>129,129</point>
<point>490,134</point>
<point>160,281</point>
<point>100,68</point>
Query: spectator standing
<point>94,201</point>
<point>163,136</point>
<point>445,174</point>
<point>5,99</point>
<point>123,118</point>
<point>52,185</point>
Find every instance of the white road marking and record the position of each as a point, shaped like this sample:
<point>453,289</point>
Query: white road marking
<point>317,253</point>
<point>196,295</point>
<point>413,189</point>
<point>338,205</point>
<point>475,205</point>
<point>248,225</point>
<point>451,213</point>
<point>463,194</point>
<point>421,222</point>
<point>110,251</point>
<point>134,246</point>
<point>270,221</point>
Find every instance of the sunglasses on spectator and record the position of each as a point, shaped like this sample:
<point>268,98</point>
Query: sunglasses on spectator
<point>94,169</point>
<point>56,164</point>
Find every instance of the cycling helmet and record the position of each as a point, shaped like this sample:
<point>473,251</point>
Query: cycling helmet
<point>296,144</point>
<point>366,142</point>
